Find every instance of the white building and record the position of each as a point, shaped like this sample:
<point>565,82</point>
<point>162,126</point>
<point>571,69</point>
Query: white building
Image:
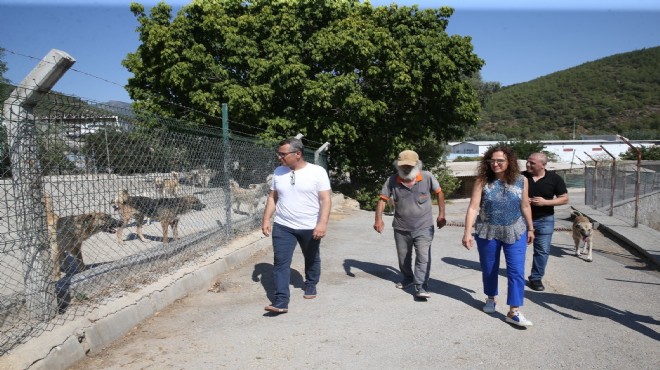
<point>569,151</point>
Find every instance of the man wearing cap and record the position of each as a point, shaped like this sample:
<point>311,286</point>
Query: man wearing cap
<point>411,191</point>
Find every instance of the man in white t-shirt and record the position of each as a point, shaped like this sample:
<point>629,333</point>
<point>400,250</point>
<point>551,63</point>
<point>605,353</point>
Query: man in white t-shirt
<point>300,199</point>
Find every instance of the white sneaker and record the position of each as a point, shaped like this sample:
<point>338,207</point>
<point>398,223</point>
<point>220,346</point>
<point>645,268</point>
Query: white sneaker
<point>518,319</point>
<point>490,306</point>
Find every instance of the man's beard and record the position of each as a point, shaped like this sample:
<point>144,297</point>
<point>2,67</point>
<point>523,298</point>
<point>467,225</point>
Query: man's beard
<point>410,175</point>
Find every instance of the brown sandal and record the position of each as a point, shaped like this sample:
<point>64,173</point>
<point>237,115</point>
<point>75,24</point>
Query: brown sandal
<point>276,309</point>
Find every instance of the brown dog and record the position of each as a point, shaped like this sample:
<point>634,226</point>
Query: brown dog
<point>68,233</point>
<point>582,234</point>
<point>165,210</point>
<point>169,185</point>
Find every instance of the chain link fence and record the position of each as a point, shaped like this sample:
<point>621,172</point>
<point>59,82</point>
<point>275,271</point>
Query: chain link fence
<point>574,178</point>
<point>609,184</point>
<point>97,201</point>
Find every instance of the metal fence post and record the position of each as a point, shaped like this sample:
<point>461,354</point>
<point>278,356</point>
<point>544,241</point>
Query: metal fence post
<point>594,198</point>
<point>227,152</point>
<point>40,296</point>
<point>317,153</point>
<point>585,179</point>
<point>613,180</point>
<point>637,182</point>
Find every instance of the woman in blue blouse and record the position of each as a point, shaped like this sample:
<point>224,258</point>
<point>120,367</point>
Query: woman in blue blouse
<point>503,216</point>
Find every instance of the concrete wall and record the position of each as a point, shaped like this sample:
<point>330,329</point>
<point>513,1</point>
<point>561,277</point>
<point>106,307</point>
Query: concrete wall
<point>647,212</point>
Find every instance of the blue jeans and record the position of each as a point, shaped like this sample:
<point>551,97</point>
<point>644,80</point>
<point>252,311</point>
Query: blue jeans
<point>543,228</point>
<point>421,241</point>
<point>514,255</point>
<point>284,243</point>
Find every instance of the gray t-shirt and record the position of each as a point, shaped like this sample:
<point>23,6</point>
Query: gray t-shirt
<point>413,207</point>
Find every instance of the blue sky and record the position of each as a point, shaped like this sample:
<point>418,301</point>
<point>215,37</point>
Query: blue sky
<point>520,40</point>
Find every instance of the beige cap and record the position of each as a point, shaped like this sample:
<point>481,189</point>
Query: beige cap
<point>407,158</point>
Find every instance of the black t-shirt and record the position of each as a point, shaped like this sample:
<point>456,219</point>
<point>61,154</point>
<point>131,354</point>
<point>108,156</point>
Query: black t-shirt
<point>548,187</point>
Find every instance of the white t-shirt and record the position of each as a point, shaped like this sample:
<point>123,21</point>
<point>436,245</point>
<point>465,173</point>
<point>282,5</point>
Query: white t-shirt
<point>298,204</point>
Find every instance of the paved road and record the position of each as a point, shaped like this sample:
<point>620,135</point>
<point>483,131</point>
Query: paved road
<point>603,314</point>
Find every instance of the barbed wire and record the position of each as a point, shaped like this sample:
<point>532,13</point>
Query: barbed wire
<point>71,69</point>
<point>171,103</point>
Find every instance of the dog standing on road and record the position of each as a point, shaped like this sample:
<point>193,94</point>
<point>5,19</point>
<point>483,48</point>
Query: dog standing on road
<point>165,210</point>
<point>168,185</point>
<point>67,234</point>
<point>582,234</point>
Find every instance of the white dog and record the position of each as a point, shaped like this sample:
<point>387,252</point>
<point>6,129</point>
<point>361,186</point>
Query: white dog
<point>200,177</point>
<point>250,196</point>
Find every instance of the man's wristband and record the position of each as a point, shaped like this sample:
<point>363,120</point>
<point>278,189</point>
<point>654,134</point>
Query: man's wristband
<point>532,230</point>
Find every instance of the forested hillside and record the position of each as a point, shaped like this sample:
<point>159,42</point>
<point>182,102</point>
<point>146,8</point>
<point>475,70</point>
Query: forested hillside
<point>619,94</point>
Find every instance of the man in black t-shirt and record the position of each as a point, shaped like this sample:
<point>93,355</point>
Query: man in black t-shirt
<point>546,190</point>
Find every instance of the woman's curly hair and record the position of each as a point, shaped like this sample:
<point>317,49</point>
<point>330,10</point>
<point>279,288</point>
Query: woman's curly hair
<point>486,174</point>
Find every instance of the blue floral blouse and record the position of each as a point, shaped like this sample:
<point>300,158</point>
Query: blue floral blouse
<point>500,216</point>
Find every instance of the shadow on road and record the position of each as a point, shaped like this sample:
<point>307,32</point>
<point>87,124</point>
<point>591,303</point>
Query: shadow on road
<point>434,286</point>
<point>466,264</point>
<point>263,272</point>
<point>628,319</point>
<point>550,301</point>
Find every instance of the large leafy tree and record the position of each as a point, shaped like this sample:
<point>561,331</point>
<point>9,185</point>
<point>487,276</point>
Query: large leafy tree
<point>648,153</point>
<point>524,148</point>
<point>370,80</point>
<point>3,66</point>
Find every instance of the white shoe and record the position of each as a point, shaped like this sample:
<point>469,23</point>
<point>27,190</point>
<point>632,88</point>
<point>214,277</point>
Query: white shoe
<point>490,305</point>
<point>518,319</point>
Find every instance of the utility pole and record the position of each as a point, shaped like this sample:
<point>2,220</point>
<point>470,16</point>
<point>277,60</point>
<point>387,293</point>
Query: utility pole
<point>573,128</point>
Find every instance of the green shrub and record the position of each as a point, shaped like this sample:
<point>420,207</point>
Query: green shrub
<point>467,159</point>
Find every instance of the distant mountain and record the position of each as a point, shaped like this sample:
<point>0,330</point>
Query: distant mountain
<point>119,104</point>
<point>619,94</point>
<point>117,107</point>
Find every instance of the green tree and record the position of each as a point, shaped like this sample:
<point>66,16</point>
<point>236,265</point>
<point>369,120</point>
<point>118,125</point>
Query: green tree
<point>651,153</point>
<point>486,136</point>
<point>3,66</point>
<point>523,148</point>
<point>5,164</point>
<point>447,180</point>
<point>5,170</point>
<point>484,89</point>
<point>157,151</point>
<point>371,80</point>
